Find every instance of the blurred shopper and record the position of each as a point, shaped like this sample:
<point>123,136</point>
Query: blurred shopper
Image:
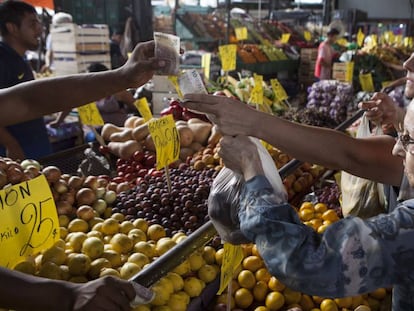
<point>20,31</point>
<point>326,55</point>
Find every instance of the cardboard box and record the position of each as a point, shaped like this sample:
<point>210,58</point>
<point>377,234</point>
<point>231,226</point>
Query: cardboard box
<point>80,38</point>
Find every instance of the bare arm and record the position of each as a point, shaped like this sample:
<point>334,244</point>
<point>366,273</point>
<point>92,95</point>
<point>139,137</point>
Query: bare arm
<point>370,157</point>
<point>37,98</point>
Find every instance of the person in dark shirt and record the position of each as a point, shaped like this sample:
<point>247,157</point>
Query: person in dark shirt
<point>20,29</point>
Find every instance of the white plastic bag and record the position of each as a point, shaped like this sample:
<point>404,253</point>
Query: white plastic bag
<point>224,198</point>
<point>362,197</point>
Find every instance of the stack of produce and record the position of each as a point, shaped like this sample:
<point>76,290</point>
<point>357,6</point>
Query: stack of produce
<point>330,97</point>
<point>310,116</point>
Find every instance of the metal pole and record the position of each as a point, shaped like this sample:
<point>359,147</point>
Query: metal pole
<point>175,256</point>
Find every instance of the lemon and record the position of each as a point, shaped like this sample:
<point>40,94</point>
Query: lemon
<point>78,225</point>
<point>209,254</point>
<point>263,275</point>
<point>128,270</point>
<point>252,263</point>
<point>196,261</point>
<point>126,226</point>
<point>291,296</point>
<point>328,305</point>
<point>96,267</point>
<point>156,232</point>
<point>176,280</point>
<point>330,215</point>
<point>141,224</point>
<point>118,217</point>
<point>54,254</point>
<point>345,302</point>
<point>243,298</point>
<point>50,270</point>
<point>93,247</point>
<point>321,208</point>
<point>163,245</point>
<point>193,286</point>
<point>246,279</point>
<point>274,301</point>
<point>145,248</point>
<point>113,257</point>
<point>79,264</point>
<point>121,243</point>
<point>207,273</point>
<point>110,226</point>
<point>109,271</point>
<point>139,259</point>
<point>275,285</point>
<point>137,235</point>
<point>27,266</point>
<point>260,291</point>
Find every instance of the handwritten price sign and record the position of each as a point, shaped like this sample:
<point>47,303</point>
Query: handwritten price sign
<point>228,56</point>
<point>89,115</point>
<point>241,33</point>
<point>166,140</point>
<point>256,96</point>
<point>278,89</point>
<point>143,108</point>
<point>366,82</point>
<point>232,257</point>
<point>28,221</point>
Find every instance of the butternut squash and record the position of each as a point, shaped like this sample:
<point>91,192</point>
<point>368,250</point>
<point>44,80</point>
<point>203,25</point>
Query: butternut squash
<point>124,150</point>
<point>130,122</point>
<point>215,136</point>
<point>139,121</point>
<point>149,143</point>
<point>186,136</point>
<point>139,133</point>
<point>122,136</point>
<point>201,131</point>
<point>108,129</point>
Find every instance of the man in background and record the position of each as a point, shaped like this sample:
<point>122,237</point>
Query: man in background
<point>20,30</point>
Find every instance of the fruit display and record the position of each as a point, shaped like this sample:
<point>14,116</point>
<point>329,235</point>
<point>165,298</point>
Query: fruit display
<point>254,289</point>
<point>309,116</point>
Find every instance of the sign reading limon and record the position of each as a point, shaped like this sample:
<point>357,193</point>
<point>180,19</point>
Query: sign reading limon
<point>28,220</point>
<point>166,140</point>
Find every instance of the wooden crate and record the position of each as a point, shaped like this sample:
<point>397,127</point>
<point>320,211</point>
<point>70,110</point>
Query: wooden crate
<point>70,63</point>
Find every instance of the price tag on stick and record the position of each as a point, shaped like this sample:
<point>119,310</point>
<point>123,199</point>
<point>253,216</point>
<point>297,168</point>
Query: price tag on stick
<point>143,108</point>
<point>166,140</point>
<point>241,33</point>
<point>28,220</point>
<point>278,89</point>
<point>206,64</point>
<point>367,83</point>
<point>232,258</point>
<point>228,57</point>
<point>90,115</point>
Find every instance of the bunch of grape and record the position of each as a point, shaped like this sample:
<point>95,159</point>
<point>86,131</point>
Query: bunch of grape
<point>183,209</point>
<point>310,116</point>
<point>330,195</point>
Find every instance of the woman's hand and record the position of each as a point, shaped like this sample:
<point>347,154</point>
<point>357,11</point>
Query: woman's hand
<point>240,155</point>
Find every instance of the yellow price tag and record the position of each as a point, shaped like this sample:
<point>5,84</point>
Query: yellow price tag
<point>374,40</point>
<point>206,64</point>
<point>367,83</point>
<point>241,33</point>
<point>174,81</point>
<point>256,96</point>
<point>166,140</point>
<point>89,115</point>
<point>29,221</point>
<point>285,38</point>
<point>360,37</point>
<point>232,257</point>
<point>408,42</point>
<point>143,108</point>
<point>342,42</point>
<point>307,35</point>
<point>228,56</point>
<point>278,89</point>
<point>349,75</point>
<point>398,39</point>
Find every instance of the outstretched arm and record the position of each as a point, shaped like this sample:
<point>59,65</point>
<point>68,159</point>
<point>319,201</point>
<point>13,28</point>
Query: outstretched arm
<point>33,99</point>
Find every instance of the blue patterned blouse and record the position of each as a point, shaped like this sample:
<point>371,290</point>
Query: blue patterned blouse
<point>353,256</point>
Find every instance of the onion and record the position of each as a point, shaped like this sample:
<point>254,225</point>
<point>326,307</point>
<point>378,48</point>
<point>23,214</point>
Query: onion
<point>85,212</point>
<point>100,206</point>
<point>123,186</point>
<point>3,164</point>
<point>91,182</point>
<point>52,173</point>
<point>32,171</point>
<point>112,186</point>
<point>3,178</point>
<point>85,196</point>
<point>14,174</point>
<point>68,196</point>
<point>61,186</point>
<point>64,208</point>
<point>75,182</point>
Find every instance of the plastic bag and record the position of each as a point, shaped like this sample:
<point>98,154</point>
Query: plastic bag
<point>224,198</point>
<point>362,197</point>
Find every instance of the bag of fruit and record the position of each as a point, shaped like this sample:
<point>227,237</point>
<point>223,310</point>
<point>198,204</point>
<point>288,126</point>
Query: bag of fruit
<point>362,197</point>
<point>223,201</point>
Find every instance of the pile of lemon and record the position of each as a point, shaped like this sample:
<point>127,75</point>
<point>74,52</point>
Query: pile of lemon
<point>114,246</point>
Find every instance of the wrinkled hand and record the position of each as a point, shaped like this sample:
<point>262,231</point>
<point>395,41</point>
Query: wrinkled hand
<point>231,116</point>
<point>381,109</point>
<point>141,65</point>
<point>240,155</point>
<point>107,293</point>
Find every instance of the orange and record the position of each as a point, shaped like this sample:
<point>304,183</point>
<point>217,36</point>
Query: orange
<point>356,301</point>
<point>321,229</point>
<point>275,285</point>
<point>246,279</point>
<point>274,301</point>
<point>306,302</point>
<point>255,251</point>
<point>317,299</point>
<point>306,214</point>
<point>307,205</point>
<point>261,308</point>
<point>316,223</point>
<point>291,296</point>
<point>320,208</point>
<point>328,305</point>
<point>260,291</point>
<point>330,215</point>
<point>345,302</point>
<point>263,275</point>
<point>243,298</point>
<point>219,256</point>
<point>379,293</point>
<point>252,263</point>
<point>247,249</point>
<point>223,298</point>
